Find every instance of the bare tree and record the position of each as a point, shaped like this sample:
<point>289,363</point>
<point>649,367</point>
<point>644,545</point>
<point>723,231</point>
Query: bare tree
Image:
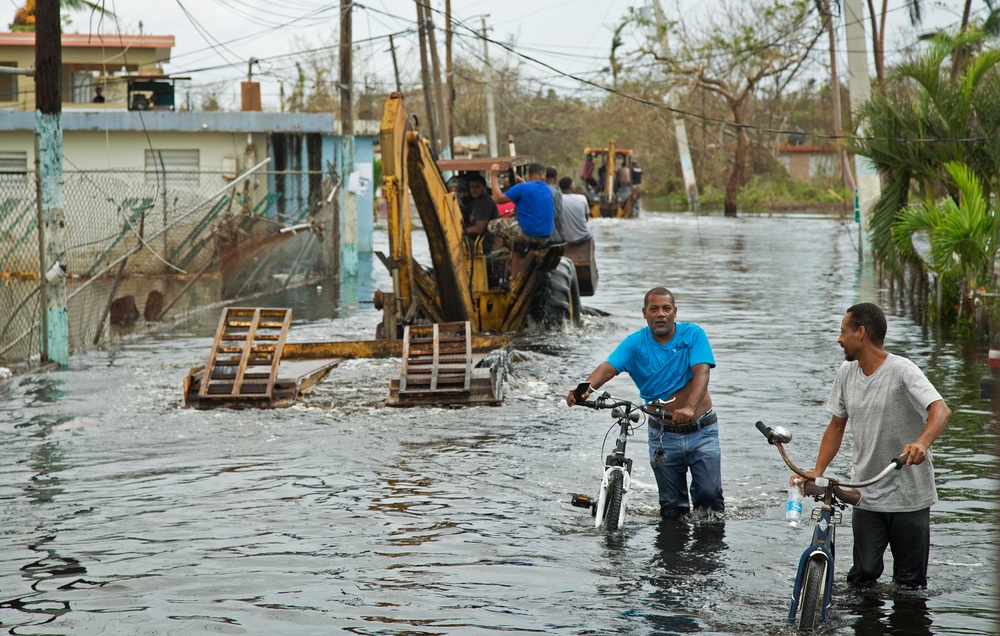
<point>915,13</point>
<point>739,47</point>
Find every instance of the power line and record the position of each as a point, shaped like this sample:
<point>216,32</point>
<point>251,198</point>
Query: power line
<point>576,78</point>
<point>698,116</point>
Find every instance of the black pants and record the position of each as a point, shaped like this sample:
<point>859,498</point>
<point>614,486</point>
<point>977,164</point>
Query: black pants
<point>907,534</point>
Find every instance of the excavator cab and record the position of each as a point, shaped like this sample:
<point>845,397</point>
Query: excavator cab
<point>612,178</point>
<point>461,283</point>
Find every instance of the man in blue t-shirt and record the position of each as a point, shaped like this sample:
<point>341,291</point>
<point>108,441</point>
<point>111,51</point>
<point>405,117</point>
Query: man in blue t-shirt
<point>670,361</point>
<point>535,213</point>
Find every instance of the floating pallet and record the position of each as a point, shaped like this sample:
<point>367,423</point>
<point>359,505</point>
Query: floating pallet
<point>445,364</point>
<point>246,352</point>
<point>439,368</point>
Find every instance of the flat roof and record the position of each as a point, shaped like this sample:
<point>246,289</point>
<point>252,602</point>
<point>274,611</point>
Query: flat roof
<point>814,149</point>
<point>96,40</point>
<point>78,119</point>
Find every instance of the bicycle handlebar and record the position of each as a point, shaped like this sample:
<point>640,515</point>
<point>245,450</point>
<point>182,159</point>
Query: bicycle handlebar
<point>604,401</point>
<point>607,401</point>
<point>779,437</point>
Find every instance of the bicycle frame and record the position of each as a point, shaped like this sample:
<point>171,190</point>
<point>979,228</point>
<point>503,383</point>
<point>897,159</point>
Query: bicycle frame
<point>822,548</point>
<point>609,509</point>
<point>616,462</point>
<point>833,494</point>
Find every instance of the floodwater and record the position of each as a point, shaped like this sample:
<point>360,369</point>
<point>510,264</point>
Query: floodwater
<point>122,513</point>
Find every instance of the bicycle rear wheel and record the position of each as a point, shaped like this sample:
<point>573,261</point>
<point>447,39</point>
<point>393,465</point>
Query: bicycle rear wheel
<point>811,602</point>
<point>616,496</point>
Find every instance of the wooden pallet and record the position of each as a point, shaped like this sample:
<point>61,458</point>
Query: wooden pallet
<point>243,363</point>
<point>437,359</point>
<point>444,365</point>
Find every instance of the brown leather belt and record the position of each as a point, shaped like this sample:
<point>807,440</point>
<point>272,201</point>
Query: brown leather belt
<point>707,419</point>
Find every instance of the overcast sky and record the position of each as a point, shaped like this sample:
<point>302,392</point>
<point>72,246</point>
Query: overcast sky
<point>216,38</point>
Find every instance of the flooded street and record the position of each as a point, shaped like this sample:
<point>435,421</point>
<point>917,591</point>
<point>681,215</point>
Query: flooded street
<point>122,513</point>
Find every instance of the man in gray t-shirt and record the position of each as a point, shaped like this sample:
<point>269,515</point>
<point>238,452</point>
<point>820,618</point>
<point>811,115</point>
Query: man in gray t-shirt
<point>576,211</point>
<point>893,411</point>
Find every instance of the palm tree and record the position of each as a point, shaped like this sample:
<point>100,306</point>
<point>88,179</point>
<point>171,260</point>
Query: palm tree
<point>24,18</point>
<point>922,119</point>
<point>961,237</point>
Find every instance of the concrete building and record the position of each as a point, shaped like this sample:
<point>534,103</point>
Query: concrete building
<point>141,131</point>
<point>810,164</point>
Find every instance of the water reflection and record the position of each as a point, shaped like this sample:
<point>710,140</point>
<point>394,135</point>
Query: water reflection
<point>901,614</point>
<point>340,516</point>
<point>45,389</point>
<point>42,604</point>
<point>686,556</point>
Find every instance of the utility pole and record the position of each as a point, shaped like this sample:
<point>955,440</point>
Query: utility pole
<point>845,167</point>
<point>449,86</point>
<point>395,67</point>
<point>49,162</point>
<point>425,75</point>
<point>442,125</point>
<point>868,185</point>
<point>680,128</point>
<point>349,202</point>
<point>491,115</point>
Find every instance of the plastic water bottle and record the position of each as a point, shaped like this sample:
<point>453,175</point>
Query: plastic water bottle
<point>793,509</point>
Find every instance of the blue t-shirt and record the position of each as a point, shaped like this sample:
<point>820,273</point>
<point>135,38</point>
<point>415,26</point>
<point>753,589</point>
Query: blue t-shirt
<point>535,209</point>
<point>660,370</point>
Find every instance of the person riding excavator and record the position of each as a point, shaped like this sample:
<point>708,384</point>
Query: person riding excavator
<point>533,221</point>
<point>479,209</point>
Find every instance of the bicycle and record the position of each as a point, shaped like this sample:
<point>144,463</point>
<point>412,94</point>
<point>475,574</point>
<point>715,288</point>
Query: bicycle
<point>609,508</point>
<point>812,592</point>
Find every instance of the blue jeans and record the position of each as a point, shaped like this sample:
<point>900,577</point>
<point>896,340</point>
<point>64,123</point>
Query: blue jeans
<point>699,452</point>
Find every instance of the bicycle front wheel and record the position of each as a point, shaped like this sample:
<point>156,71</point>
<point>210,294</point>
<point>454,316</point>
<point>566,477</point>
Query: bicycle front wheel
<point>616,498</point>
<point>811,602</point>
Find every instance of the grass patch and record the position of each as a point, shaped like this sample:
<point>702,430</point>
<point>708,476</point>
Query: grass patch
<point>760,194</point>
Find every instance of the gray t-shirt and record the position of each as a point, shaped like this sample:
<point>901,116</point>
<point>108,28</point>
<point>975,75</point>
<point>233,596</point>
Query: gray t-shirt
<point>886,411</point>
<point>557,204</point>
<point>575,213</point>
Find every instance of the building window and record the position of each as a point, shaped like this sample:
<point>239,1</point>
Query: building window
<point>172,167</point>
<point>8,83</point>
<point>822,166</point>
<point>13,167</point>
<point>84,83</point>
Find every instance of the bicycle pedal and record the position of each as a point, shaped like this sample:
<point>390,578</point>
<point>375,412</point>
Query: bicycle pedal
<point>582,501</point>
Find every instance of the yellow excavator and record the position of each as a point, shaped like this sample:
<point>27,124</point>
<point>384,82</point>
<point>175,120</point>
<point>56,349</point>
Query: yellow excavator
<point>462,283</point>
<point>449,323</point>
<point>612,179</point>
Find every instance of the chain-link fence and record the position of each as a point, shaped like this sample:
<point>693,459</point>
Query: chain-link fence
<point>131,247</point>
<point>19,298</point>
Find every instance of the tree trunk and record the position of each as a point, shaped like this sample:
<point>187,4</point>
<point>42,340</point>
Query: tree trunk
<point>958,55</point>
<point>439,114</point>
<point>876,38</point>
<point>739,161</point>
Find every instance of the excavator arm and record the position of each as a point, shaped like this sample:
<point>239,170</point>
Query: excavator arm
<point>395,191</point>
<point>411,168</point>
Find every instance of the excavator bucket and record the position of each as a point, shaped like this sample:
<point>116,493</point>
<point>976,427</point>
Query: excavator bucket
<point>440,368</point>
